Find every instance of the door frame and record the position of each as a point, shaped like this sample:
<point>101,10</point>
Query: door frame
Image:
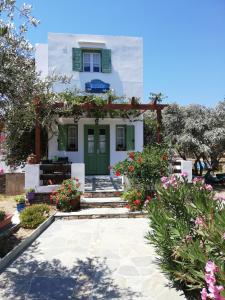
<point>93,126</point>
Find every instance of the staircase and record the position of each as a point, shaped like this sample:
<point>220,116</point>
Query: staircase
<point>102,200</point>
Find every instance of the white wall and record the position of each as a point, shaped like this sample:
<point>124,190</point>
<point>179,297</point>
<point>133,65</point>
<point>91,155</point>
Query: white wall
<point>126,77</point>
<point>41,59</point>
<point>78,156</point>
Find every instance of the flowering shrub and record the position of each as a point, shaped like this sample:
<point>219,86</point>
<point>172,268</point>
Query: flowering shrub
<point>210,279</point>
<point>67,197</point>
<point>137,200</point>
<point>187,230</point>
<point>143,169</point>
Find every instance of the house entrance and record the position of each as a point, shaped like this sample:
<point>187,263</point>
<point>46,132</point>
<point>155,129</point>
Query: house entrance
<point>96,149</point>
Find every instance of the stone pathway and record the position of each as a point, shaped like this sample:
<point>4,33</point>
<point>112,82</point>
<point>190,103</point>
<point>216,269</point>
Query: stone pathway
<point>103,183</point>
<point>88,260</point>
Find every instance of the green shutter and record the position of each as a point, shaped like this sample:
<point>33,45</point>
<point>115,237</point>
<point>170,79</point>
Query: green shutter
<point>106,61</point>
<point>62,137</point>
<point>77,59</point>
<point>130,137</point>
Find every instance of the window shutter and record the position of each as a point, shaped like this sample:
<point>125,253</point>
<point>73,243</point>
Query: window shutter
<point>130,137</point>
<point>77,59</point>
<point>62,137</point>
<point>106,61</point>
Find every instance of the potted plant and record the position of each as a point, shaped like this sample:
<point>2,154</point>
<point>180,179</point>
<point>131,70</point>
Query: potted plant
<point>30,194</point>
<point>67,197</point>
<point>5,219</point>
<point>20,202</point>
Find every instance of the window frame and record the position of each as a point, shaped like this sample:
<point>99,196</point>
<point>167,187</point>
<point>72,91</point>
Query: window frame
<point>124,129</point>
<point>76,138</point>
<point>91,53</point>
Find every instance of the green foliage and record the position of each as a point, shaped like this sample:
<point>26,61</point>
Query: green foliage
<point>144,169</point>
<point>2,215</point>
<point>67,195</point>
<point>187,230</point>
<point>31,217</point>
<point>31,190</point>
<point>20,199</point>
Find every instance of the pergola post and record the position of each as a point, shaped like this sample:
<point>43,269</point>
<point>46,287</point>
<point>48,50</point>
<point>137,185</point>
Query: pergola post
<point>37,130</point>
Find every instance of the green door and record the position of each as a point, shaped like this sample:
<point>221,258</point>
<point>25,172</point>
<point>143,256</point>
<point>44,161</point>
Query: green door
<point>96,149</point>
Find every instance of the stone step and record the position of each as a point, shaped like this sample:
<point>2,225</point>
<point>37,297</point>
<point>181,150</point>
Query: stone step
<point>98,213</point>
<point>102,202</point>
<point>102,194</point>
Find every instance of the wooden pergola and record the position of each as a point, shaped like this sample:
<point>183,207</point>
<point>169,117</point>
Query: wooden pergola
<point>154,106</point>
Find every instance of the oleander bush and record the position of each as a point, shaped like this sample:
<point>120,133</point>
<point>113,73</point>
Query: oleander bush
<point>188,233</point>
<point>32,216</point>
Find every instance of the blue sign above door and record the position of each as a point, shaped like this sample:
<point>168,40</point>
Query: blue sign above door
<point>97,86</point>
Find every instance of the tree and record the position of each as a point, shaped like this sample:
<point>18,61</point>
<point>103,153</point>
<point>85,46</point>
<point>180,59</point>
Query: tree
<point>196,131</point>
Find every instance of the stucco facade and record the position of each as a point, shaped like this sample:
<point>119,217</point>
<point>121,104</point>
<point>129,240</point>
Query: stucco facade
<point>125,78</point>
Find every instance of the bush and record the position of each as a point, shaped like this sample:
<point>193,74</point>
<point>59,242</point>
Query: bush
<point>137,199</point>
<point>31,217</point>
<point>20,199</point>
<point>67,197</point>
<point>2,215</point>
<point>144,169</point>
<point>187,230</point>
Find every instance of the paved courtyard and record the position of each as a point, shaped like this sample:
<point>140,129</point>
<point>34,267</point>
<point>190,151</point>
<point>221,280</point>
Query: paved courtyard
<point>88,260</point>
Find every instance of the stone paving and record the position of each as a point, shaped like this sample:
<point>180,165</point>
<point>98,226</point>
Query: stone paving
<point>88,260</point>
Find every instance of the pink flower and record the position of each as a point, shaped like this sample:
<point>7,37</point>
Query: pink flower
<point>211,267</point>
<point>224,236</point>
<point>210,279</point>
<point>215,291</point>
<point>1,171</point>
<point>208,187</point>
<point>164,179</point>
<point>197,180</point>
<point>204,294</point>
<point>199,221</point>
<point>184,174</point>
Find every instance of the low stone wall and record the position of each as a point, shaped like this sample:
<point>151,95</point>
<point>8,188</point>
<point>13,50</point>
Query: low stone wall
<point>12,183</point>
<point>42,198</point>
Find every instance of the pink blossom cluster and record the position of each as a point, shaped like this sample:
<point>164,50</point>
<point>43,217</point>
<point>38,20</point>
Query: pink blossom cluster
<point>212,291</point>
<point>199,221</point>
<point>206,187</point>
<point>169,182</point>
<point>197,180</point>
<point>1,171</point>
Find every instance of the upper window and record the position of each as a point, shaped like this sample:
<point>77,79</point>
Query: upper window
<point>91,62</point>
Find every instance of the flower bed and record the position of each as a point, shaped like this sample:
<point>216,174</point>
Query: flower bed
<point>188,230</point>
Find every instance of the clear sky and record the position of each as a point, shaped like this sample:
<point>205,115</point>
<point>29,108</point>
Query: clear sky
<point>184,40</point>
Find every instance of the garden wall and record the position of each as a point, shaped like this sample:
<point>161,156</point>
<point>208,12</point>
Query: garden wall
<point>12,183</point>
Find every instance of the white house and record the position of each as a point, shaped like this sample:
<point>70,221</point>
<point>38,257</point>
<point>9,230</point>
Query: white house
<point>96,64</point>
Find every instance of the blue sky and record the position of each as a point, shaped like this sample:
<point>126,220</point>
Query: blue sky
<point>184,40</point>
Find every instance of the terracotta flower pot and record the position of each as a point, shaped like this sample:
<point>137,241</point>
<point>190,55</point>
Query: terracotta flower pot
<point>7,220</point>
<point>75,203</point>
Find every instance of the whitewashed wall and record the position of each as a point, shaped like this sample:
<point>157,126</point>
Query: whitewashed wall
<point>78,156</point>
<point>126,77</point>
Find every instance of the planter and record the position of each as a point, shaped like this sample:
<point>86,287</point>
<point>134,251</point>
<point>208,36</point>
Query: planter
<point>75,203</point>
<point>6,221</point>
<point>20,206</point>
<point>30,196</point>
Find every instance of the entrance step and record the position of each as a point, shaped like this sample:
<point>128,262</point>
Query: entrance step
<point>112,202</point>
<point>102,194</point>
<point>100,213</point>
